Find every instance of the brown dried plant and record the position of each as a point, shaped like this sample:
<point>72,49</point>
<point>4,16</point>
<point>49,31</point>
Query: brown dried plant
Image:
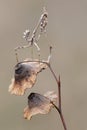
<point>25,76</point>
<point>39,104</point>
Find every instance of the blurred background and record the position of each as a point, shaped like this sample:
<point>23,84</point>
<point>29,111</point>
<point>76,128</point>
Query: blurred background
<point>67,33</point>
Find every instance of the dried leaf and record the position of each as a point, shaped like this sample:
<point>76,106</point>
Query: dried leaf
<point>39,104</point>
<point>25,76</point>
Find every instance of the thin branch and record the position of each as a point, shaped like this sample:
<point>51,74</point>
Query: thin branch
<point>59,92</point>
<point>58,84</point>
<point>56,107</point>
<point>59,109</point>
<point>63,121</point>
<point>61,115</point>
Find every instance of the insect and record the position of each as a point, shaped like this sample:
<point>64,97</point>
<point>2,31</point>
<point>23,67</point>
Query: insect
<point>35,36</point>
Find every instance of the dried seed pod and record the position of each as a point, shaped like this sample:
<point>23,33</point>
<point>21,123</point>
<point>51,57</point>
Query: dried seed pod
<point>25,76</point>
<point>39,104</point>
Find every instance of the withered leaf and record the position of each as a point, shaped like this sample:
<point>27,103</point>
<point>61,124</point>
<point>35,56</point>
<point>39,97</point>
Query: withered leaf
<point>39,104</point>
<point>25,76</point>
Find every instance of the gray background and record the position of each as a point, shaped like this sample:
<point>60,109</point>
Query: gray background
<point>67,32</point>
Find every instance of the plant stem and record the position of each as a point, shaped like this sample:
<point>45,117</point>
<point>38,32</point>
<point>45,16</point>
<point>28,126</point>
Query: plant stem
<point>63,121</point>
<point>61,116</point>
<point>58,84</point>
<point>59,91</point>
<point>59,109</point>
